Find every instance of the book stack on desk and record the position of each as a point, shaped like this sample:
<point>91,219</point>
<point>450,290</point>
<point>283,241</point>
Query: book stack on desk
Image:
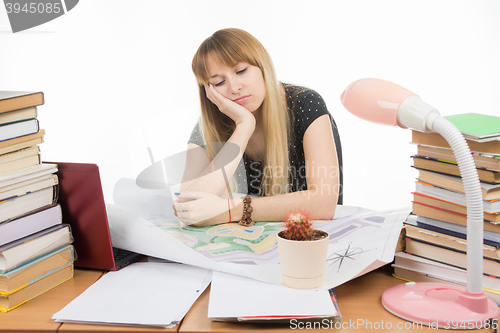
<point>35,246</point>
<point>436,238</point>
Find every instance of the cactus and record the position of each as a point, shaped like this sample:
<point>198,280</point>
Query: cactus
<point>298,226</point>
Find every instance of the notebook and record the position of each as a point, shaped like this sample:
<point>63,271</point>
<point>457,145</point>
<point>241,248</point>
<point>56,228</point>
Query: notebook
<point>83,207</point>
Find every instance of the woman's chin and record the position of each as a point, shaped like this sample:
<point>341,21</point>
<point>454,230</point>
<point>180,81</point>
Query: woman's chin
<point>252,109</point>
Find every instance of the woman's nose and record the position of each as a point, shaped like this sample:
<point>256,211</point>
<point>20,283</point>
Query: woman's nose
<point>235,86</point>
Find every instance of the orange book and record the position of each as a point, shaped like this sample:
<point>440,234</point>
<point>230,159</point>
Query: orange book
<point>11,145</point>
<point>14,100</point>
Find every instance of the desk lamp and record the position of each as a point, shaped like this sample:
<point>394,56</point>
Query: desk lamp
<point>387,103</point>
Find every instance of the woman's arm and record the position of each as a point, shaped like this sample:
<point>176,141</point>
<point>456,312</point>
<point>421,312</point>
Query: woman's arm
<point>319,200</point>
<point>201,174</point>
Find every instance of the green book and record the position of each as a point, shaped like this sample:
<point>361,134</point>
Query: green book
<point>475,125</point>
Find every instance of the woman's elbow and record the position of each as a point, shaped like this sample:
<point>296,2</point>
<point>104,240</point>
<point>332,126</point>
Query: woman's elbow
<point>328,212</point>
<point>325,207</point>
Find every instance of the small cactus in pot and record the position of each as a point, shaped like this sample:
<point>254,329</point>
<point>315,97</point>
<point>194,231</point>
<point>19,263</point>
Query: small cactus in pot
<point>299,227</point>
<point>302,251</point>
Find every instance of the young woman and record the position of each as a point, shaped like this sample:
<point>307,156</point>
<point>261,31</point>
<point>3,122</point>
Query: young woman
<point>273,140</point>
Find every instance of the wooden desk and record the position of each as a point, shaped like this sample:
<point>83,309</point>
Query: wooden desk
<point>36,314</point>
<point>359,303</point>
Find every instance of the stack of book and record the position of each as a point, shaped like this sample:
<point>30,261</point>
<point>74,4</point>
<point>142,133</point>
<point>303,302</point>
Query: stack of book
<point>35,246</point>
<point>436,244</point>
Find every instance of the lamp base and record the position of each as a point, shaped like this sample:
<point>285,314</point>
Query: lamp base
<point>440,305</point>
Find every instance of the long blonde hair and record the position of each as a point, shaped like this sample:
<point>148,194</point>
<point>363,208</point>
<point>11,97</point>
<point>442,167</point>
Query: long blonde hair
<point>232,46</point>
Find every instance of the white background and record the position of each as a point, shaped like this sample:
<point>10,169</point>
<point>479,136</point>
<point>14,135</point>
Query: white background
<point>117,77</point>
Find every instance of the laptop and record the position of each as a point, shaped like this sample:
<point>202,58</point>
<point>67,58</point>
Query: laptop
<point>83,207</point>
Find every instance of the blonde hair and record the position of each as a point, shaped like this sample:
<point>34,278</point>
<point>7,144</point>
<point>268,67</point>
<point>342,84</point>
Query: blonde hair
<point>232,46</point>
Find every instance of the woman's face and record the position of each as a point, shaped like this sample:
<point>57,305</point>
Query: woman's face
<point>243,83</point>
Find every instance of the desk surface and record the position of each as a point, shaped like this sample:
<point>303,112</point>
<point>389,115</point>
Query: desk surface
<point>359,303</point>
<point>35,315</point>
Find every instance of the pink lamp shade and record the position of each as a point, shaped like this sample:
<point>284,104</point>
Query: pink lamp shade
<point>375,100</point>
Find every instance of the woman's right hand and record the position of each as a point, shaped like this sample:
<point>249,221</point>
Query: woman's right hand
<point>238,113</point>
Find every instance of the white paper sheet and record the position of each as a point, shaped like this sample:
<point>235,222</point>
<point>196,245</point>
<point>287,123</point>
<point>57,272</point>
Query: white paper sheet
<point>148,294</point>
<point>233,296</point>
<point>360,241</point>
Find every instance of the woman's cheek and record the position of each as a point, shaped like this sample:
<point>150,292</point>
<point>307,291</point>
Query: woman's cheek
<point>223,92</point>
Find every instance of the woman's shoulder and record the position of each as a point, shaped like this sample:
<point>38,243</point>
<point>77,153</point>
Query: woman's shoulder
<point>299,94</point>
<point>197,134</point>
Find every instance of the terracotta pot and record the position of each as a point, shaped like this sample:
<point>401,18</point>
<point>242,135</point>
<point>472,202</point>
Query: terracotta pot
<point>303,262</point>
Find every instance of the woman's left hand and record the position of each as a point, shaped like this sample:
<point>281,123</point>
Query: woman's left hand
<point>201,209</point>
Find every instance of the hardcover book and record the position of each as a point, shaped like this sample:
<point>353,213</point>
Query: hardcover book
<point>452,229</point>
<point>451,207</point>
<point>14,100</point>
<point>18,115</point>
<point>18,129</point>
<point>476,126</point>
<point>22,142</point>
<point>489,191</point>
<point>452,196</point>
<point>21,251</point>
<point>29,224</point>
<point>449,216</point>
<point>39,287</point>
<point>435,139</point>
<point>35,270</point>
<point>24,204</point>
<point>450,168</point>
<point>22,163</point>
<point>28,186</point>
<point>448,256</point>
<point>25,174</point>
<point>19,153</point>
<point>449,241</point>
<point>482,160</point>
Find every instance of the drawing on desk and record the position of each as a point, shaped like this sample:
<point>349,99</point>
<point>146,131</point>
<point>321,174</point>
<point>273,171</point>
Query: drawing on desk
<point>338,257</point>
<point>227,242</point>
<point>257,244</point>
<point>253,252</point>
<point>353,252</point>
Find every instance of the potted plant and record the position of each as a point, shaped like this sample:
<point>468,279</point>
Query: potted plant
<point>303,251</point>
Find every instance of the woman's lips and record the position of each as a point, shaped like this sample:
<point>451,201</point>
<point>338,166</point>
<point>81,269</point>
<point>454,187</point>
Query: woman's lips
<point>242,99</point>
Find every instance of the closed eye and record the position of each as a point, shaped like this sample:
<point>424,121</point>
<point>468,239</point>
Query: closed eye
<point>241,71</point>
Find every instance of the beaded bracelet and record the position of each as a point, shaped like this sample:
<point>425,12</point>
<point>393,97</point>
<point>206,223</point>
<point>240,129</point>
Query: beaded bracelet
<point>246,219</point>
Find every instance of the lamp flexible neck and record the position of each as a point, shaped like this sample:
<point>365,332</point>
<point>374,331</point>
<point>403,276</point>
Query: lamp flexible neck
<point>474,199</point>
